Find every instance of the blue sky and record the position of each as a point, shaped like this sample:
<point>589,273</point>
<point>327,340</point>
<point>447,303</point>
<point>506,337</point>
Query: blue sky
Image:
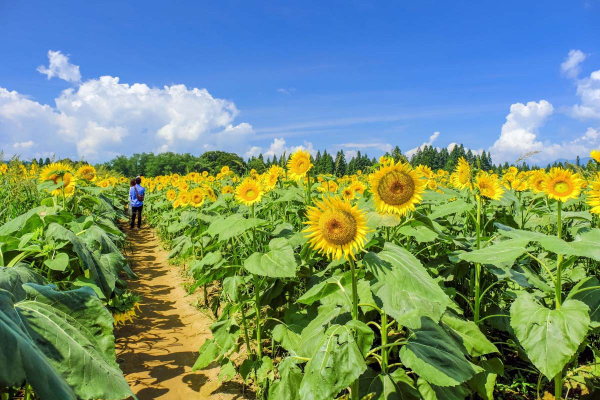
<point>277,75</point>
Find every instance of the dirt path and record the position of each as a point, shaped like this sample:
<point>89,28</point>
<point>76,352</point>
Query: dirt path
<point>157,351</point>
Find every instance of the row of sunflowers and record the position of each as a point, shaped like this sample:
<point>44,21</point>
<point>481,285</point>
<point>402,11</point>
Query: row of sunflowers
<point>398,282</point>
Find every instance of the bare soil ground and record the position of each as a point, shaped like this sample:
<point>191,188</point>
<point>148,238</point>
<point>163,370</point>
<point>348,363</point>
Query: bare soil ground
<point>157,351</point>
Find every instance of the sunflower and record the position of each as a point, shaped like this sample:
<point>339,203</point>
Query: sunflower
<point>171,195</point>
<point>184,198</point>
<point>3,168</point>
<point>536,180</point>
<point>328,186</point>
<point>249,192</point>
<point>396,188</point>
<point>593,197</point>
<point>462,175</point>
<point>57,173</point>
<point>210,193</point>
<point>336,229</point>
<point>348,193</point>
<point>488,186</point>
<point>432,184</point>
<point>299,164</point>
<point>104,183</point>
<point>196,197</point>
<point>519,185</point>
<point>358,187</point>
<point>595,154</point>
<point>225,170</point>
<point>227,189</point>
<point>183,186</point>
<point>87,172</point>
<point>425,171</point>
<point>562,184</point>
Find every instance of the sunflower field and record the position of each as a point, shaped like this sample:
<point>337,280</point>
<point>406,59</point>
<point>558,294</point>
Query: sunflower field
<point>395,283</point>
<point>61,282</point>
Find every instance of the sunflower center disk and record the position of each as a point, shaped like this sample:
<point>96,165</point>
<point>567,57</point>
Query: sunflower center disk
<point>561,187</point>
<point>338,227</point>
<point>396,188</point>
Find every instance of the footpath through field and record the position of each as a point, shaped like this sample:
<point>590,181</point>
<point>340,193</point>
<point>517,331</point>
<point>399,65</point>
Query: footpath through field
<point>156,352</point>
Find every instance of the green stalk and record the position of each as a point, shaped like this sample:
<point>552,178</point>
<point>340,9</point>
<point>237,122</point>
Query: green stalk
<point>384,338</point>
<point>477,265</point>
<point>558,383</point>
<point>257,306</point>
<point>354,386</point>
<point>27,392</point>
<point>245,327</point>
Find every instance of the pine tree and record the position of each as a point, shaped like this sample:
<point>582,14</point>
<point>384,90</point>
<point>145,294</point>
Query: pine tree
<point>340,164</point>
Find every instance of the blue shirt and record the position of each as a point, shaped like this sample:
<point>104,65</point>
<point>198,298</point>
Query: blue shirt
<point>134,201</point>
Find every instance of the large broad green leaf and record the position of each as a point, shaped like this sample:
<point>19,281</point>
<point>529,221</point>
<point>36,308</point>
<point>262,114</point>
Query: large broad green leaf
<point>468,335</point>
<point>376,220</point>
<point>13,279</point>
<point>550,337</point>
<point>435,357</point>
<point>21,360</point>
<point>421,233</point>
<point>313,335</point>
<point>289,384</point>
<point>454,207</point>
<point>590,295</point>
<point>232,226</point>
<point>225,334</point>
<point>406,290</point>
<point>337,363</point>
<point>500,253</point>
<point>74,330</point>
<point>585,244</point>
<point>433,392</point>
<point>394,386</point>
<point>279,262</point>
<point>104,277</point>
<point>28,221</point>
<point>484,382</point>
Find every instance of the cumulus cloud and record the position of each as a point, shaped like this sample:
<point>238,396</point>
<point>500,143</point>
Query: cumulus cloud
<point>60,67</point>
<point>519,133</point>
<point>432,139</point>
<point>571,66</point>
<point>588,89</point>
<point>102,118</point>
<point>519,136</point>
<point>278,147</point>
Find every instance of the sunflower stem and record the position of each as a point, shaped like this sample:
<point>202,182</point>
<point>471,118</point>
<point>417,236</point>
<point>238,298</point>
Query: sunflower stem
<point>384,338</point>
<point>354,387</point>
<point>477,265</point>
<point>558,383</point>
<point>257,305</point>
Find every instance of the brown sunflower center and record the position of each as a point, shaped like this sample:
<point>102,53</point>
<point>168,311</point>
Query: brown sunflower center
<point>396,187</point>
<point>338,227</point>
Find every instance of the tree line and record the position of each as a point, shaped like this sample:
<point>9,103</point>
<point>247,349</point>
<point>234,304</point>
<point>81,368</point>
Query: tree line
<point>150,164</point>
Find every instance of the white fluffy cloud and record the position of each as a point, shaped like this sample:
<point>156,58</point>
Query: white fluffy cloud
<point>23,145</point>
<point>278,147</point>
<point>519,136</point>
<point>570,67</point>
<point>519,133</point>
<point>60,67</point>
<point>432,139</point>
<point>102,118</point>
<point>588,89</point>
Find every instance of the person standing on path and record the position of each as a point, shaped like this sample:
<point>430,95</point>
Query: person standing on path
<point>136,196</point>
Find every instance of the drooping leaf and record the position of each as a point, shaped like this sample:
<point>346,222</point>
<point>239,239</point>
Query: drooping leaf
<point>289,384</point>
<point>430,391</point>
<point>549,337</point>
<point>435,357</point>
<point>484,382</point>
<point>500,253</point>
<point>394,386</point>
<point>468,335</point>
<point>406,290</point>
<point>12,279</point>
<point>590,295</point>
<point>21,360</point>
<point>279,262</point>
<point>337,363</point>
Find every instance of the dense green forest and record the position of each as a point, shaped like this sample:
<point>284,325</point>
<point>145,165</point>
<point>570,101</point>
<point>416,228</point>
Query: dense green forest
<point>150,164</point>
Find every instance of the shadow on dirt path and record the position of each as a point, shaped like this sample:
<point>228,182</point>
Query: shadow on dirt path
<point>157,351</point>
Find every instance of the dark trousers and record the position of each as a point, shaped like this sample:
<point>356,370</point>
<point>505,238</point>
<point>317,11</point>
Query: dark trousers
<point>138,211</point>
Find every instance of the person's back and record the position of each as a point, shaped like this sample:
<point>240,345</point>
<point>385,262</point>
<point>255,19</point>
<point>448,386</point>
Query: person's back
<point>136,196</point>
